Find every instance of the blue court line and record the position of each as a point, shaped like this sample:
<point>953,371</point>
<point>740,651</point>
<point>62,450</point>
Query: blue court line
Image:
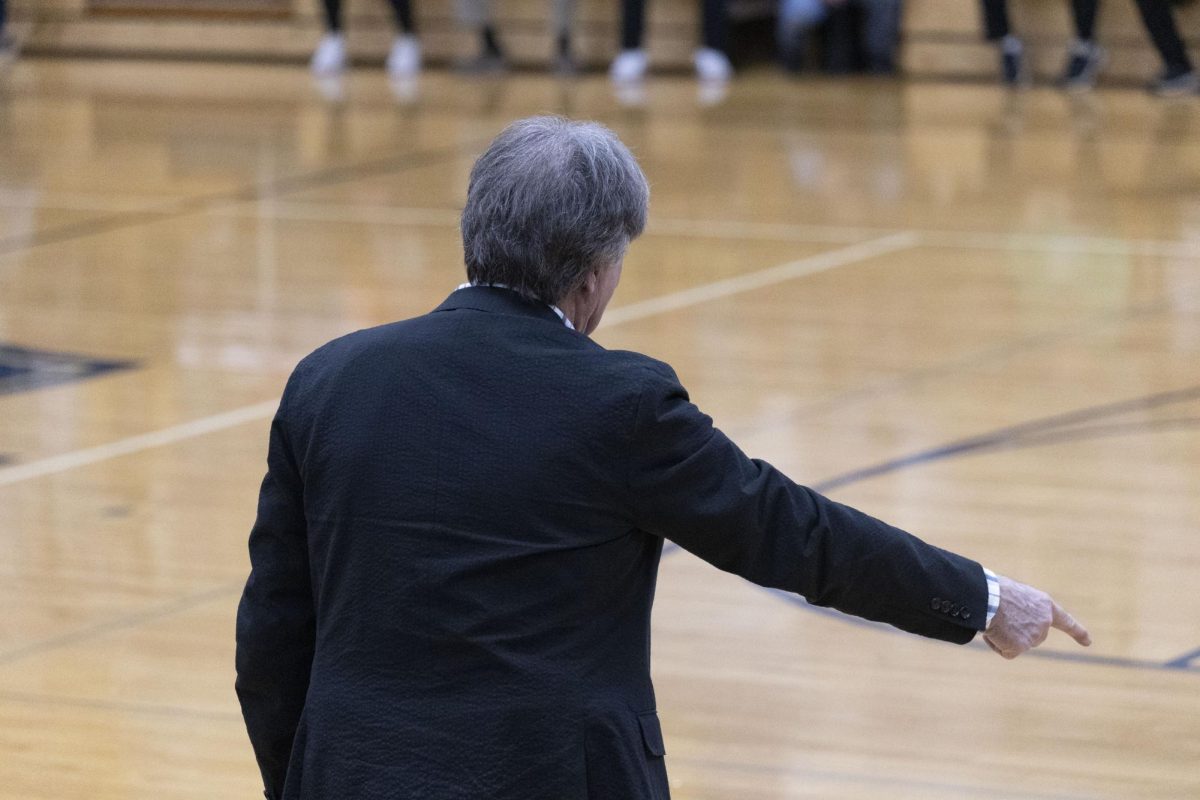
<point>24,369</point>
<point>1176,665</point>
<point>1056,428</point>
<point>1070,426</point>
<point>1185,660</point>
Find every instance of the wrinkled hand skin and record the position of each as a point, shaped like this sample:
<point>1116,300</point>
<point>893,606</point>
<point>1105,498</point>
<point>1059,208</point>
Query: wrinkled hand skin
<point>1024,619</point>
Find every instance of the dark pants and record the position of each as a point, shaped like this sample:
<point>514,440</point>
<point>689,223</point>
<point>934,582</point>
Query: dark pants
<point>1160,24</point>
<point>995,18</point>
<point>715,24</point>
<point>401,8</point>
<point>3,16</point>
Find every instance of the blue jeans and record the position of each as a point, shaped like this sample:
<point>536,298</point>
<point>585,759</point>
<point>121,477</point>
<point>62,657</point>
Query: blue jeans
<point>880,29</point>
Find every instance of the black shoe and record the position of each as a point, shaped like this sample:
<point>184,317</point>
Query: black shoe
<point>1083,65</point>
<point>1012,61</point>
<point>1175,83</point>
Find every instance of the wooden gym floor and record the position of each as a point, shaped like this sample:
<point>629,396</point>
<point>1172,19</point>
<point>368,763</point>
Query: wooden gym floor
<point>972,313</point>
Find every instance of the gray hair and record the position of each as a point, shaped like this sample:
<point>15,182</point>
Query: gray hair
<point>550,200</point>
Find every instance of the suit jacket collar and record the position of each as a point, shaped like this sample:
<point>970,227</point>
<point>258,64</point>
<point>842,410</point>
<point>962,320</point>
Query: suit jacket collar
<point>498,301</point>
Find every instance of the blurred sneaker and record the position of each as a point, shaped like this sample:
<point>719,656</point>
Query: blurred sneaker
<point>404,59</point>
<point>629,66</point>
<point>330,55</point>
<point>1084,61</point>
<point>712,65</point>
<point>1175,83</point>
<point>1012,61</point>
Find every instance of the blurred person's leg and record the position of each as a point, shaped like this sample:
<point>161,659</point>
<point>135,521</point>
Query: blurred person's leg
<point>795,23</point>
<point>330,56</point>
<point>880,34</point>
<point>1177,76</point>
<point>1085,58</point>
<point>996,29</point>
<point>404,59</point>
<point>477,15</point>
<point>995,20</point>
<point>402,12</point>
<point>711,62</point>
<point>630,64</point>
<point>8,45</point>
<point>564,21</point>
<point>840,36</point>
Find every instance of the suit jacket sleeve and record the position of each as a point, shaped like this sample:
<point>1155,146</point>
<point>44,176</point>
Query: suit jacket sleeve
<point>275,621</point>
<point>692,485</point>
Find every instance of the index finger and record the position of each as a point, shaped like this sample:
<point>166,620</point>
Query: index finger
<point>1065,622</point>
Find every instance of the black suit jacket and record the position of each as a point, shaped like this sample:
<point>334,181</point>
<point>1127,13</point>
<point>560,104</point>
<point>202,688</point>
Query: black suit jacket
<point>455,557</point>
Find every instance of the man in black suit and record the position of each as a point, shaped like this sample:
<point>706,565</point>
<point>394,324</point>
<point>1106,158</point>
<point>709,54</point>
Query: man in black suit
<point>460,527</point>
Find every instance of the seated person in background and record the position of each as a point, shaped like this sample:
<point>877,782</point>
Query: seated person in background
<point>1084,59</point>
<point>403,60</point>
<point>710,60</point>
<point>880,31</point>
<point>1177,77</point>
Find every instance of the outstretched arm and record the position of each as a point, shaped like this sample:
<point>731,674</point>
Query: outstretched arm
<point>691,484</point>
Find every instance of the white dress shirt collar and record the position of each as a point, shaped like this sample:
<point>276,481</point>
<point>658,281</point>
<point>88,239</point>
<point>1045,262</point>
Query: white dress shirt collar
<point>553,308</point>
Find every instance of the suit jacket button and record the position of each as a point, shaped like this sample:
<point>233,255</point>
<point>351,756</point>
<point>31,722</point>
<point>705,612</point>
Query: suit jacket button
<point>937,603</point>
<point>946,604</point>
<point>954,610</point>
<point>966,614</point>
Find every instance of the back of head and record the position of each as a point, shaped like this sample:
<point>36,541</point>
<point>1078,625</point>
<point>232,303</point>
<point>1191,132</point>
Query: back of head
<point>548,201</point>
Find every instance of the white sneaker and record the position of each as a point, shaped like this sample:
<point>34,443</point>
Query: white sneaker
<point>712,65</point>
<point>330,55</point>
<point>629,66</point>
<point>404,59</point>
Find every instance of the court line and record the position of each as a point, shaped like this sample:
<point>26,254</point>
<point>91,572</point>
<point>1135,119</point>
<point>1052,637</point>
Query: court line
<point>1067,426</point>
<point>170,608</point>
<point>178,433</point>
<point>760,231</point>
<point>135,444</point>
<point>674,301</point>
<point>1185,661</point>
<point>1036,431</point>
<point>809,265</point>
<point>1080,657</point>
<point>1076,244</point>
<point>172,209</point>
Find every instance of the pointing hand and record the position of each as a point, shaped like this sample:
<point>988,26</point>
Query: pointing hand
<point>1024,620</point>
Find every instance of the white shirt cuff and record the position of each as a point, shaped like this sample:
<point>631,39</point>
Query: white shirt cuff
<point>993,584</point>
